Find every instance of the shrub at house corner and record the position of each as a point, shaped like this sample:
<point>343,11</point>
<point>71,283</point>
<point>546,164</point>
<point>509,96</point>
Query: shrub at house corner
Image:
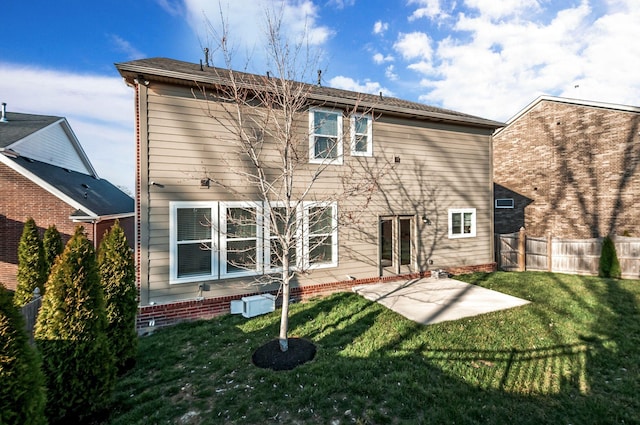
<point>71,334</point>
<point>31,266</point>
<point>117,276</point>
<point>22,396</point>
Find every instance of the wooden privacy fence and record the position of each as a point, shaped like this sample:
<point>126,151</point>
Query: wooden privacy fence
<point>519,252</point>
<point>30,313</point>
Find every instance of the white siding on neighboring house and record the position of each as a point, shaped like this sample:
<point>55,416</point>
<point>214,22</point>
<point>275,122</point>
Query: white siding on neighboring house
<point>52,145</point>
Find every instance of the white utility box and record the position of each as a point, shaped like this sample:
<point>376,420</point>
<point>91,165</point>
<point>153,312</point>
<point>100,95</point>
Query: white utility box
<point>254,305</point>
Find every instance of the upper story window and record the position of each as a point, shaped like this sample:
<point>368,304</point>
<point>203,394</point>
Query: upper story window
<point>361,135</point>
<point>325,136</point>
<point>462,223</point>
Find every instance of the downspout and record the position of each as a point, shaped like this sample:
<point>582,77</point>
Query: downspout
<point>143,193</point>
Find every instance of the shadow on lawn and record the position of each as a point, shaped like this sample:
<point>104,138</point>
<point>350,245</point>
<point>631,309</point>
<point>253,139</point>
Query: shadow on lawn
<point>591,380</point>
<point>373,368</point>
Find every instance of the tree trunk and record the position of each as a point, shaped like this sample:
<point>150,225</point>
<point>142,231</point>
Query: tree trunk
<point>284,318</point>
<point>284,342</point>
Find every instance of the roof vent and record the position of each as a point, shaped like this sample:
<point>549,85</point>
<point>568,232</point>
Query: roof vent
<point>3,117</point>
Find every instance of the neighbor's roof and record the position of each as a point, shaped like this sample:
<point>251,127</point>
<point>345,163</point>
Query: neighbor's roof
<point>20,126</point>
<point>178,72</point>
<point>94,197</point>
<point>577,102</point>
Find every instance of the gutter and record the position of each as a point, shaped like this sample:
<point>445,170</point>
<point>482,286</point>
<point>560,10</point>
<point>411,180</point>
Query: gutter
<point>214,80</point>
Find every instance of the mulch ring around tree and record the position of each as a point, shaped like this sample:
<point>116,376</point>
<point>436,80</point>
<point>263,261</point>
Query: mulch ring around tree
<point>269,356</point>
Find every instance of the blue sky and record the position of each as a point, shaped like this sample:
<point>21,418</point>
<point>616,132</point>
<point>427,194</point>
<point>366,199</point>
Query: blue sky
<point>484,57</point>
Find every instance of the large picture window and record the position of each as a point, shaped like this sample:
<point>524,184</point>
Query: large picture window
<point>216,240</point>
<point>462,223</point>
<point>325,140</point>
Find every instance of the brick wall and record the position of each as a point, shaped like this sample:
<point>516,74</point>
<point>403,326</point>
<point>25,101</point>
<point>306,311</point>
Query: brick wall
<point>573,170</point>
<point>21,198</point>
<point>167,314</point>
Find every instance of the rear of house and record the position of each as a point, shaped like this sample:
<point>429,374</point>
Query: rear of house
<point>431,207</point>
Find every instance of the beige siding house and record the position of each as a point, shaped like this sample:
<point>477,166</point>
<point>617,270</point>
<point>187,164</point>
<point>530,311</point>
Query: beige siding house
<point>430,205</point>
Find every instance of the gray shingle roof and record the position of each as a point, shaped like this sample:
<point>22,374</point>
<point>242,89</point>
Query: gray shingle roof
<point>20,126</point>
<point>96,195</point>
<point>178,72</point>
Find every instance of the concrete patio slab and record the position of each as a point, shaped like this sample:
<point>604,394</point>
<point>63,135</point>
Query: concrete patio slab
<point>430,300</point>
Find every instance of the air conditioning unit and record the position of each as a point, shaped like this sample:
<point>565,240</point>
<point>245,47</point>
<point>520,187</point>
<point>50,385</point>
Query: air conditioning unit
<point>254,305</point>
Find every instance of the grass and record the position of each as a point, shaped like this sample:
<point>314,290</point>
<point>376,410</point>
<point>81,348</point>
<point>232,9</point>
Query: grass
<point>572,356</point>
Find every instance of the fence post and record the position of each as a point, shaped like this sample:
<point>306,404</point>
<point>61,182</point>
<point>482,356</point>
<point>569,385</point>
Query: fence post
<point>549,252</point>
<point>522,254</point>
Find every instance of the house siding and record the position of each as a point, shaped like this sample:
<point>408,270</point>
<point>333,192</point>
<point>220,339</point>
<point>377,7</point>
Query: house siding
<point>441,167</point>
<point>573,171</point>
<point>51,145</point>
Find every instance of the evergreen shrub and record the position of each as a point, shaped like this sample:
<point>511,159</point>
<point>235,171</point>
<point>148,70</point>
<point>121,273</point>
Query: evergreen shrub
<point>117,276</point>
<point>31,267</point>
<point>70,332</point>
<point>609,265</point>
<point>22,394</point>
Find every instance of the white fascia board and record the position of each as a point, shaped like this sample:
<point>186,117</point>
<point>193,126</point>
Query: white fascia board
<point>76,144</point>
<point>46,186</point>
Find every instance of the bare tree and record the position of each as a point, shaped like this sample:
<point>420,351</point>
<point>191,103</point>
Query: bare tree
<point>265,118</point>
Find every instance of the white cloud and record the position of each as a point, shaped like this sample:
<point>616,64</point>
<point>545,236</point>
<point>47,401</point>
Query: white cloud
<point>379,58</point>
<point>347,83</point>
<point>493,9</point>
<point>414,45</point>
<point>246,26</point>
<point>494,62</point>
<point>341,4</point>
<point>390,73</point>
<point>127,48</point>
<point>427,9</point>
<point>98,108</point>
<point>380,27</point>
<point>172,7</point>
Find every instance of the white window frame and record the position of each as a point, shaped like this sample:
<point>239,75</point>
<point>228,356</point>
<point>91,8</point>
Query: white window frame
<point>173,241</point>
<point>462,211</point>
<point>510,206</point>
<point>338,160</point>
<point>224,273</point>
<point>306,234</point>
<point>219,241</point>
<point>354,134</point>
<point>268,268</point>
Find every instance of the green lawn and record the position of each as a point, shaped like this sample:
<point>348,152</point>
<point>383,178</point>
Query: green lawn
<point>572,356</point>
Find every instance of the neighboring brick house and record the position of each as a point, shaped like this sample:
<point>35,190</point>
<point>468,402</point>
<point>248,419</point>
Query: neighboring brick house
<point>433,208</point>
<point>45,174</point>
<point>569,168</point>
